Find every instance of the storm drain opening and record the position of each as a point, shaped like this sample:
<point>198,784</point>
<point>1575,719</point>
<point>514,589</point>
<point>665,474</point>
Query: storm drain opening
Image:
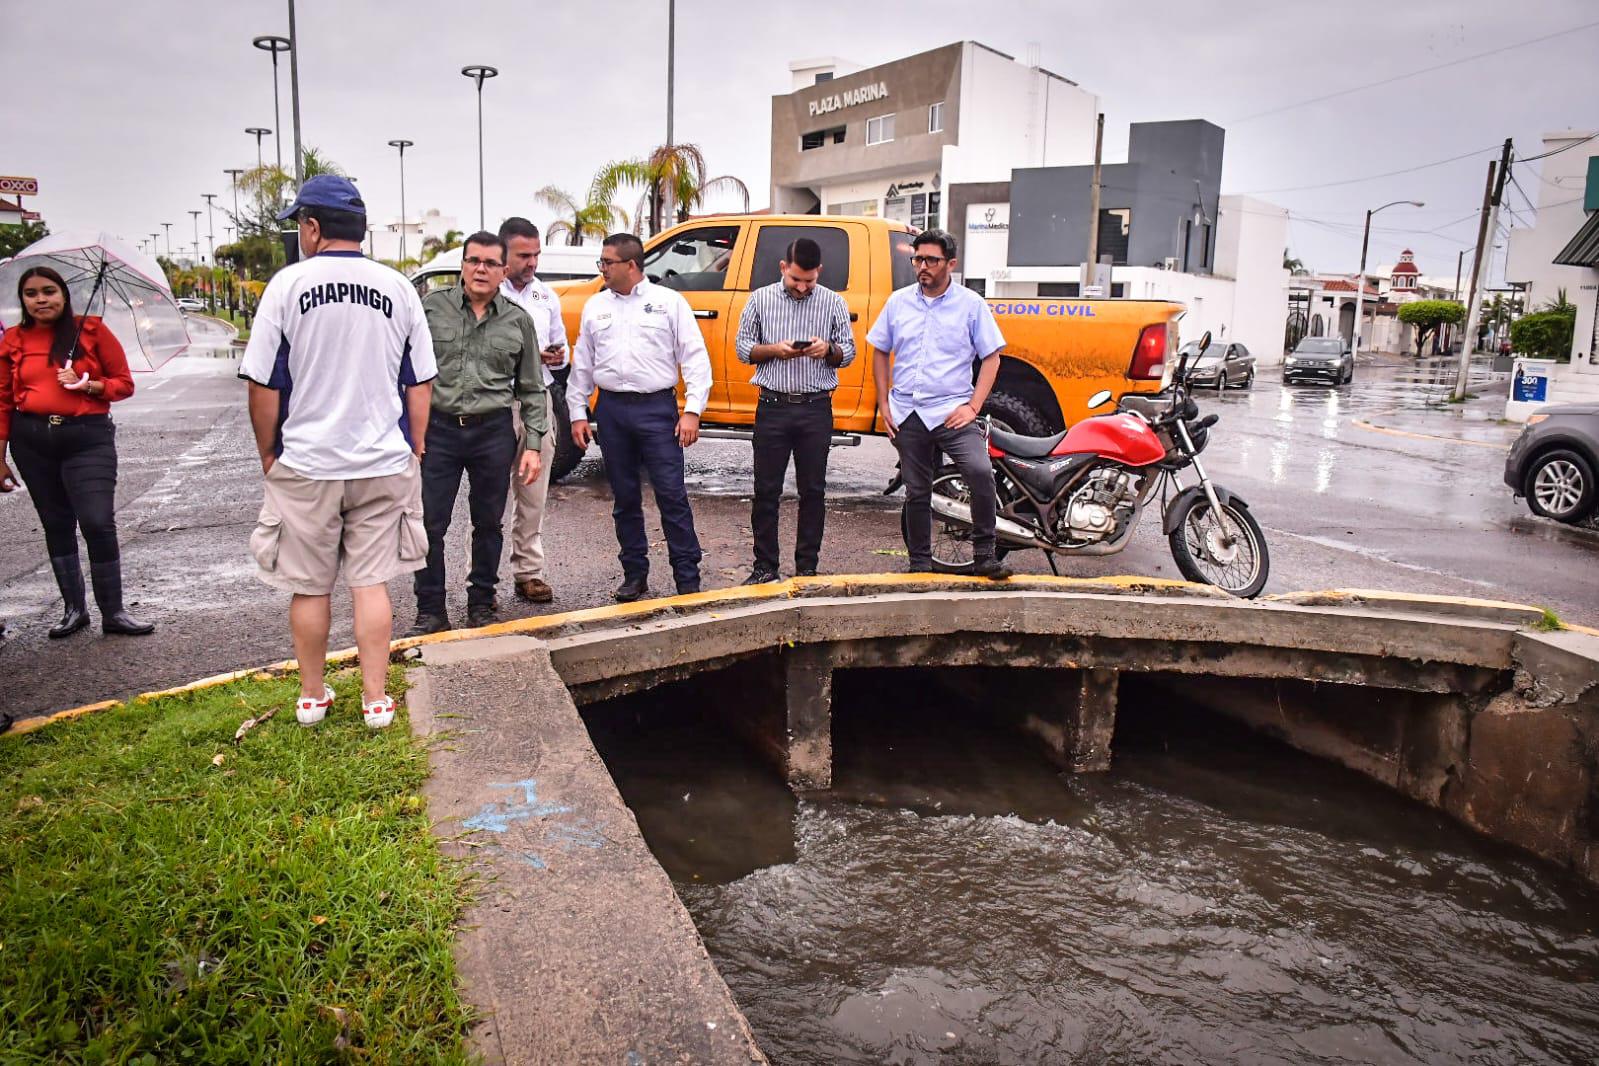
<point>959,895</point>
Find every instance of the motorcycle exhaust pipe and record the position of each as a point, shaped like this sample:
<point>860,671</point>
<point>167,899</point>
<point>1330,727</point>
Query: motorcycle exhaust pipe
<point>1004,528</point>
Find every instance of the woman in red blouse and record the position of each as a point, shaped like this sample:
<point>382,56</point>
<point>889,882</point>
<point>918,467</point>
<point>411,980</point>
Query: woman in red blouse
<point>60,432</point>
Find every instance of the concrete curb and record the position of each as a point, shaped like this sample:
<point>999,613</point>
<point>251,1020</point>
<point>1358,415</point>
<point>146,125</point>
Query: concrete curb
<point>645,611</point>
<point>1361,423</point>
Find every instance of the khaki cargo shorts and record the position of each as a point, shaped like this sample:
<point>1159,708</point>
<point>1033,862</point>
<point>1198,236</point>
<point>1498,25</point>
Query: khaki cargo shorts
<point>371,528</point>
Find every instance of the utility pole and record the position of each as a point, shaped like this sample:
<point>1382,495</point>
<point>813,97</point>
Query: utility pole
<point>1479,270</point>
<point>671,63</point>
<point>1091,270</point>
<point>1449,333</point>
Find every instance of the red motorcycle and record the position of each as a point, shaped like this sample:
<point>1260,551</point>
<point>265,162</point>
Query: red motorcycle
<point>1083,491</point>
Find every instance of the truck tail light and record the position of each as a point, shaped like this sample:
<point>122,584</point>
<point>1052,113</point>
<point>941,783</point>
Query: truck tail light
<point>1149,356</point>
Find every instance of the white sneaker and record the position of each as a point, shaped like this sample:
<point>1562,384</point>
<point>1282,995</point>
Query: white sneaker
<point>378,713</point>
<point>310,710</point>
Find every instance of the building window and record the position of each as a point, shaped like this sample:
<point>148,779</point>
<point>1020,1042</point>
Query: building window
<point>818,138</point>
<point>826,75</point>
<point>978,285</point>
<point>880,130</point>
<point>854,207</point>
<point>1115,224</point>
<point>935,118</point>
<point>1204,249</point>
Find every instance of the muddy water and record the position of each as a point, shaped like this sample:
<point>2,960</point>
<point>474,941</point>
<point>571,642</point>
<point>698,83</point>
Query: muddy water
<point>1215,898</point>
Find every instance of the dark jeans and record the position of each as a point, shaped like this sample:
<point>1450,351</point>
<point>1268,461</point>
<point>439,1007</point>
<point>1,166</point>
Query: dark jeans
<point>485,452</point>
<point>638,435</point>
<point>967,448</point>
<point>805,431</point>
<point>71,473</point>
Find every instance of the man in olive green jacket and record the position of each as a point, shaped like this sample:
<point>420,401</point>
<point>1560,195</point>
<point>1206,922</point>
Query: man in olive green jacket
<point>488,355</point>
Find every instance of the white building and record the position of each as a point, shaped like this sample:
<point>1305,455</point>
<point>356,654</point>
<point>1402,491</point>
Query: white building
<point>1561,252</point>
<point>384,242</point>
<point>887,140</point>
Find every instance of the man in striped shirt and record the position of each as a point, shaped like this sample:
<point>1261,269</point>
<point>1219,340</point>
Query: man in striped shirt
<point>796,334</point>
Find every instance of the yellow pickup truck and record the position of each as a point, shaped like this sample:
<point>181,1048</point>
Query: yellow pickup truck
<point>1058,352</point>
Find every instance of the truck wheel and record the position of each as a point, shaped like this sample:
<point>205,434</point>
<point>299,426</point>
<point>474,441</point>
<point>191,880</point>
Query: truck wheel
<point>567,454</point>
<point>1015,415</point>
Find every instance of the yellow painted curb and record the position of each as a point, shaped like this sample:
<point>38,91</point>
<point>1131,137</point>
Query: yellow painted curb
<point>846,584</point>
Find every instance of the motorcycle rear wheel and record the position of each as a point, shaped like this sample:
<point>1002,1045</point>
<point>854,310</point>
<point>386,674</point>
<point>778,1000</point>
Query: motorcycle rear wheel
<point>1229,554</point>
<point>952,541</point>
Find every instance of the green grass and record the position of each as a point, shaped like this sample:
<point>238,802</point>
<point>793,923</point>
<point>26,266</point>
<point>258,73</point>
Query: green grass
<point>233,318</point>
<point>1550,622</point>
<point>288,905</point>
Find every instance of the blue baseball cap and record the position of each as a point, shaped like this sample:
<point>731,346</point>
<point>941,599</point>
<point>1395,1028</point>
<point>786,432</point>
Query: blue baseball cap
<point>327,190</point>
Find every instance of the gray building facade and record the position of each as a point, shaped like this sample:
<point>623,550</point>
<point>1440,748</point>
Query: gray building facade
<point>1160,205</point>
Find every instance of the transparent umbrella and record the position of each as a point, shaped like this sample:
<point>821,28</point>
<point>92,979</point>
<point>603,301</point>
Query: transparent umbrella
<point>124,287</point>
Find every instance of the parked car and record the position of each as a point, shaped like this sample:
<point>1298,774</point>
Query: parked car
<point>1222,365</point>
<point>1320,359</point>
<point>189,305</point>
<point>1554,462</point>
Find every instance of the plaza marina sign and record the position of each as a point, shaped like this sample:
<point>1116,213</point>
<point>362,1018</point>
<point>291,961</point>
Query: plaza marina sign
<point>849,98</point>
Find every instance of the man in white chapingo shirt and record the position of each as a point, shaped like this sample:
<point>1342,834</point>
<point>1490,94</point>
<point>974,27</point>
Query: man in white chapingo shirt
<point>521,284</point>
<point>634,339</point>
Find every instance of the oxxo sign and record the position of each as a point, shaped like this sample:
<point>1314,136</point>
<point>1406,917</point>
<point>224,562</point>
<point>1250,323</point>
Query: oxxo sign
<point>849,98</point>
<point>19,186</point>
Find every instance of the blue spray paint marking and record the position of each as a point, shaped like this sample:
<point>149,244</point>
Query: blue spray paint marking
<point>497,817</point>
<point>582,835</point>
<point>533,860</point>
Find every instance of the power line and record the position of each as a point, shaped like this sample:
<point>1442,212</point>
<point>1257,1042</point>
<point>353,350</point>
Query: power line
<point>1374,177</point>
<point>1416,72</point>
<point>1567,148</point>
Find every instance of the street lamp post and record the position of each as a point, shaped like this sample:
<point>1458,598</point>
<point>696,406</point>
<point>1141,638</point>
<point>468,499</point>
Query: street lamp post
<point>294,97</point>
<point>1360,280</point>
<point>168,227</point>
<point>402,145</point>
<point>234,173</point>
<point>258,132</point>
<point>211,243</point>
<point>196,216</point>
<point>274,44</point>
<point>155,249</point>
<point>479,73</point>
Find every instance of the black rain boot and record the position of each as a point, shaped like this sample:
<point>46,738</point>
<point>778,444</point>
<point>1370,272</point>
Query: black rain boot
<point>107,579</point>
<point>69,579</point>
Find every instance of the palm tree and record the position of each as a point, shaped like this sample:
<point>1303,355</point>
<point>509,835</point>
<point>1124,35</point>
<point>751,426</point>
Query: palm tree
<point>1293,265</point>
<point>271,185</point>
<point>575,221</point>
<point>673,179</point>
<point>435,245</point>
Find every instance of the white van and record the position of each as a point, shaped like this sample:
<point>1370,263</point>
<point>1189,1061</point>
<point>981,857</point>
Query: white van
<point>558,262</point>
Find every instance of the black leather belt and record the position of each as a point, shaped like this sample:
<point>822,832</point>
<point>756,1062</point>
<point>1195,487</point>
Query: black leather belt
<point>64,420</point>
<point>773,396</point>
<point>472,420</point>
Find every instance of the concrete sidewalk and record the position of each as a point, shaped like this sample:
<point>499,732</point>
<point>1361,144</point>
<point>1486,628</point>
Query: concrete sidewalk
<point>577,948</point>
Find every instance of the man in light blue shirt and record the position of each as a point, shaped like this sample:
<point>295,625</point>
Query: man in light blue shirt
<point>936,330</point>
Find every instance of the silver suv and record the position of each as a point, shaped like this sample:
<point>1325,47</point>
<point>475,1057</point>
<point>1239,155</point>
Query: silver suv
<point>1320,359</point>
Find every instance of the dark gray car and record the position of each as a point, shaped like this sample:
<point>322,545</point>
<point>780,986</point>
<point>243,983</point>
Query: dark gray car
<point>1320,359</point>
<point>1553,462</point>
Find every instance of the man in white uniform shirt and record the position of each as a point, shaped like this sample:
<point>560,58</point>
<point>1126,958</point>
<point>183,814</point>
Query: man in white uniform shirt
<point>522,249</point>
<point>634,338</point>
<point>340,365</point>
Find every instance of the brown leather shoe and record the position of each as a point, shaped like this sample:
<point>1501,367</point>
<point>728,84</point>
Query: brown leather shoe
<point>534,591</point>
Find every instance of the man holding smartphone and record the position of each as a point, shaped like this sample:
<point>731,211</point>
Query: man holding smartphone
<point>522,286</point>
<point>796,333</point>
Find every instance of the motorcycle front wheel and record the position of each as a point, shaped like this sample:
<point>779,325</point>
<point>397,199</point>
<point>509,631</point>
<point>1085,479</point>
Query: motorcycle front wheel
<point>1228,552</point>
<point>952,541</point>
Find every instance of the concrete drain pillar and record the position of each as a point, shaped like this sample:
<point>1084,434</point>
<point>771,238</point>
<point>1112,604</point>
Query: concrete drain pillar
<point>1078,717</point>
<point>807,672</point>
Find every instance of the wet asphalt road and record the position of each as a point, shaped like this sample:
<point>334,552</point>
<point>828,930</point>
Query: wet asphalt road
<point>1342,504</point>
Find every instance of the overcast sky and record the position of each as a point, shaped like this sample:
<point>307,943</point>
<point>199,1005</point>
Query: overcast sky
<point>128,112</point>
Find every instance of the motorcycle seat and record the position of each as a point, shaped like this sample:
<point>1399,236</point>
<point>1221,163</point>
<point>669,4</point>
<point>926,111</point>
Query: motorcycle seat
<point>1024,447</point>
